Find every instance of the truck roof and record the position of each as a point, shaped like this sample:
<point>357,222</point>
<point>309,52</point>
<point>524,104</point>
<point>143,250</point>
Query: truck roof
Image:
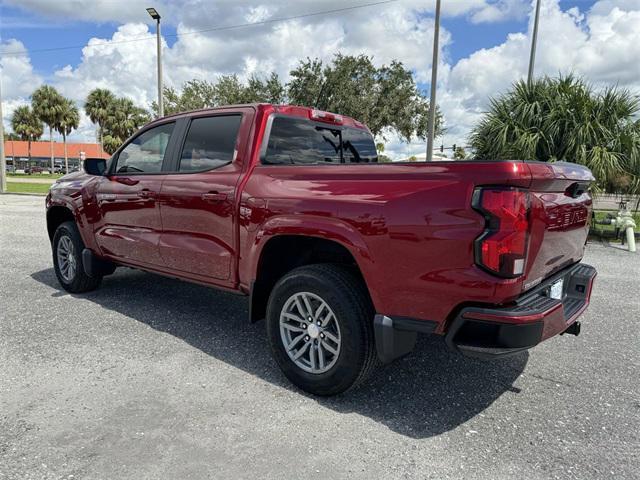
<point>310,113</point>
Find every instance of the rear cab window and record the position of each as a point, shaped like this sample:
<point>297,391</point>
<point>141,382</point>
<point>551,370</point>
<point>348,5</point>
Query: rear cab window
<point>297,141</point>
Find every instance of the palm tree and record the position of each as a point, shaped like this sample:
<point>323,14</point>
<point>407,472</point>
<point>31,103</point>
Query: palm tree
<point>48,104</point>
<point>27,125</point>
<point>69,120</point>
<point>122,120</point>
<point>564,119</point>
<point>97,107</point>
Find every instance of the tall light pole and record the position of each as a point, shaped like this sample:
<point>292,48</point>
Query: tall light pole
<point>156,16</point>
<point>3,163</point>
<point>534,40</point>
<point>434,79</point>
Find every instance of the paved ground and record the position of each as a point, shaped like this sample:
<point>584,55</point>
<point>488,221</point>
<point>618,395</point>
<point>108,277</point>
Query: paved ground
<point>153,378</point>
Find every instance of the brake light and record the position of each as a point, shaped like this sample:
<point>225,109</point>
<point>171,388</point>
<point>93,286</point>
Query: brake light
<point>502,248</point>
<point>326,117</point>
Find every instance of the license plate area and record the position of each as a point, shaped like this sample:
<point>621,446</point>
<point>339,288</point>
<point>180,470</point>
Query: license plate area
<point>556,289</point>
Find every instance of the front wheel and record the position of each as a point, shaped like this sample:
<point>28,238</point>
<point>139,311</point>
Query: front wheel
<point>67,260</point>
<point>320,328</point>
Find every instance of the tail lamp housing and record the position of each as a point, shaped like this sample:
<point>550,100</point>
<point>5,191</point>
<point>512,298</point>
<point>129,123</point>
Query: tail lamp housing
<point>502,247</point>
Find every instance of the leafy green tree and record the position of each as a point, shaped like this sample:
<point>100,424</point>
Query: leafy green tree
<point>269,90</point>
<point>97,108</point>
<point>47,104</point>
<point>122,120</point>
<point>385,98</point>
<point>26,125</point>
<point>196,94</point>
<point>11,135</point>
<point>564,119</point>
<point>68,122</point>
<point>228,90</point>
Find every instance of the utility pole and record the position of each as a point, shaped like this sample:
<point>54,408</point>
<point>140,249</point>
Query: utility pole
<point>434,80</point>
<point>534,40</point>
<point>3,162</point>
<point>156,16</point>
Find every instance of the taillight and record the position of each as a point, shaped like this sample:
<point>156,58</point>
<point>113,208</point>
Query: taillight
<point>502,248</point>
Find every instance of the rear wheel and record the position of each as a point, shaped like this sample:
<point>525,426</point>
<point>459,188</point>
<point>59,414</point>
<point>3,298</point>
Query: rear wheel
<point>67,260</point>
<point>320,328</point>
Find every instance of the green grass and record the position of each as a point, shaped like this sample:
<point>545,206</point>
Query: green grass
<point>35,188</point>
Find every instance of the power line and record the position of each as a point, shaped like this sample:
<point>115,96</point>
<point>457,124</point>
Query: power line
<point>212,29</point>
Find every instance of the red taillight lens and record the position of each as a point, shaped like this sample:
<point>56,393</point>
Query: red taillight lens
<point>502,248</point>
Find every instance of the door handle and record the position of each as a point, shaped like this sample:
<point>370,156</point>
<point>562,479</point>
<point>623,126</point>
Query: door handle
<point>214,197</point>
<point>146,194</point>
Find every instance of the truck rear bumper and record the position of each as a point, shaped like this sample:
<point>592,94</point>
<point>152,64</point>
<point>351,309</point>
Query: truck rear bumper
<point>501,331</point>
<point>491,332</point>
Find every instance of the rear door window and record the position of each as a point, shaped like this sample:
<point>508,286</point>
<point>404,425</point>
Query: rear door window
<point>295,141</point>
<point>210,143</point>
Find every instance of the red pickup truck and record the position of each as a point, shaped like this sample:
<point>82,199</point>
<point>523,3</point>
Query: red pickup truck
<point>346,258</point>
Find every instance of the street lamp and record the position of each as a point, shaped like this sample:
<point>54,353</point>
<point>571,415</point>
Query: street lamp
<point>156,16</point>
<point>434,81</point>
<point>534,40</point>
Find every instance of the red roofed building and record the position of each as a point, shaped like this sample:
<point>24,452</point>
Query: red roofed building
<point>17,153</point>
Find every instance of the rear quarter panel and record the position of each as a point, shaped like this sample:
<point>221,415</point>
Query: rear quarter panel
<point>410,227</point>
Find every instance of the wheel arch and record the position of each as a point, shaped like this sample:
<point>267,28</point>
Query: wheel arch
<point>57,215</point>
<point>281,253</point>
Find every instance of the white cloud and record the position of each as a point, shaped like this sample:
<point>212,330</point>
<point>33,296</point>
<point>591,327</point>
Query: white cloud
<point>17,77</point>
<point>206,14</point>
<point>120,11</point>
<point>500,11</point>
<point>602,44</point>
<point>127,65</point>
<point>128,68</point>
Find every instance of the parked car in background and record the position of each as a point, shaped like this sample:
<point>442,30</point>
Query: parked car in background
<point>346,259</point>
<point>33,170</point>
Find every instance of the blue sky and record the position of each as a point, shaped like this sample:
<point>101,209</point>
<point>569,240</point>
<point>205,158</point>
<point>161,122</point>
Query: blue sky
<point>484,45</point>
<point>40,31</point>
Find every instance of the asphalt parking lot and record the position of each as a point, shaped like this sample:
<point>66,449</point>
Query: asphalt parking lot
<point>152,378</point>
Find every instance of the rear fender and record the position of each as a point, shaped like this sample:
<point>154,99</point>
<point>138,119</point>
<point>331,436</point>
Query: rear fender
<point>312,226</point>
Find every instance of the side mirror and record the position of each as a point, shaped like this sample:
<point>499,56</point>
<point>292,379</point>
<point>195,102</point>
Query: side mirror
<point>95,166</point>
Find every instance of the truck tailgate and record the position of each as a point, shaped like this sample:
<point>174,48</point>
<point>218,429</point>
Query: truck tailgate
<point>560,212</point>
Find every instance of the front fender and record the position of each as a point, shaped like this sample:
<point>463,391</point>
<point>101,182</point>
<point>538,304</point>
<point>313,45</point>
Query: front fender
<point>74,200</point>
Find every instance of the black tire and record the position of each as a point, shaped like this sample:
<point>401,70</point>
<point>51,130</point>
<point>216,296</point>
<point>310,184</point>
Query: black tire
<point>79,282</point>
<point>345,294</point>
